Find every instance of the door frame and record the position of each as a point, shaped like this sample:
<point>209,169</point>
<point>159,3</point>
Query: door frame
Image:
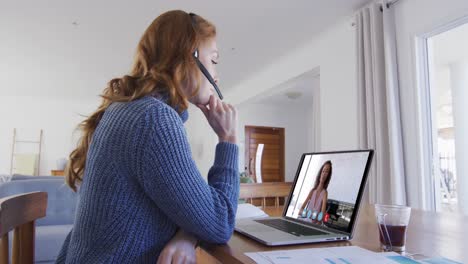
<point>428,142</point>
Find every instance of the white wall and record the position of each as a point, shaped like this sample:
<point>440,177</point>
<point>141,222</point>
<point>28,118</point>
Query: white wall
<point>414,18</point>
<point>58,117</point>
<point>333,51</point>
<point>202,140</point>
<point>292,118</point>
<point>309,123</point>
<point>297,121</point>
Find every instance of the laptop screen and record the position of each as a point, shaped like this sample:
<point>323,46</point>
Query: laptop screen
<point>327,188</point>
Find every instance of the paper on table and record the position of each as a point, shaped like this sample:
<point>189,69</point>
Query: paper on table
<point>247,210</point>
<point>331,255</point>
<point>439,260</point>
<point>417,258</point>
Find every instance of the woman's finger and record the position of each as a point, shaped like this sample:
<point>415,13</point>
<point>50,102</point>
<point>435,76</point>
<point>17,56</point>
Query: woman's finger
<point>234,111</point>
<point>219,105</point>
<point>164,258</point>
<point>226,107</point>
<point>213,102</point>
<point>178,259</point>
<point>190,260</point>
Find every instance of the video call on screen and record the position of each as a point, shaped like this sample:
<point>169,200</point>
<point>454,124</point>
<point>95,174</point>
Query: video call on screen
<point>327,188</point>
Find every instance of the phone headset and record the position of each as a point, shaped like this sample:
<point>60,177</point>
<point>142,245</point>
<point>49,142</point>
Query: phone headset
<point>200,65</point>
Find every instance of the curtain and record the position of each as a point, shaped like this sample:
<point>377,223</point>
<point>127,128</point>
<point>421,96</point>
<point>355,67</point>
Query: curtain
<point>379,118</point>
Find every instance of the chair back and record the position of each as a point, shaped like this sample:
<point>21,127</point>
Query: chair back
<point>61,204</point>
<point>18,213</point>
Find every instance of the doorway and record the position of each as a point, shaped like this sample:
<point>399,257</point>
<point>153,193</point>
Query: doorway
<point>264,153</point>
<point>444,81</point>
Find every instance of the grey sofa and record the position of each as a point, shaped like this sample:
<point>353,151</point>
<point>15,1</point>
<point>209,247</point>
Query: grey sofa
<point>61,204</point>
<point>18,177</point>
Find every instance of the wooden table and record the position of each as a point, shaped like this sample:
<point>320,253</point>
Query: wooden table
<point>430,234</point>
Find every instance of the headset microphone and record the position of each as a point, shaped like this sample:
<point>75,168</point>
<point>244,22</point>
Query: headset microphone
<point>207,74</point>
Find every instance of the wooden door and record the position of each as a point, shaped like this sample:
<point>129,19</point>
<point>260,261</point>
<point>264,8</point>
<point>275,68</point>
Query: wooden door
<point>272,164</point>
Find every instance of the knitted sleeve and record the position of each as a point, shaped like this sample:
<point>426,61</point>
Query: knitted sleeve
<point>170,177</point>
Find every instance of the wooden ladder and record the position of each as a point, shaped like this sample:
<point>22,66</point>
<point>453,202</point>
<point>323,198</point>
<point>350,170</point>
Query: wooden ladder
<point>13,149</point>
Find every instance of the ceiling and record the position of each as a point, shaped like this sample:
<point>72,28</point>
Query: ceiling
<point>73,48</point>
<point>296,91</point>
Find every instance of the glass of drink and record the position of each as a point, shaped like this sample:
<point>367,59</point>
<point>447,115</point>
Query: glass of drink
<point>392,221</point>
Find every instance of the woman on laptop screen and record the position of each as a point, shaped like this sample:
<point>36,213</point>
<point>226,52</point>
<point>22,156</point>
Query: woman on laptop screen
<point>315,205</point>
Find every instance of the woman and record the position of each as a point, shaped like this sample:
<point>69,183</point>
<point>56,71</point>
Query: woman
<point>315,205</point>
<point>141,196</point>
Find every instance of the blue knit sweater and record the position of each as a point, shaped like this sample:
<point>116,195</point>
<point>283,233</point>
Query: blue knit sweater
<point>141,184</point>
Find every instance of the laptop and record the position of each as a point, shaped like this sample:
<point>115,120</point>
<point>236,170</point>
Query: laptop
<point>323,203</point>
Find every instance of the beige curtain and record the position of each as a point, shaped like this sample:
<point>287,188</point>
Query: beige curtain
<point>379,105</point>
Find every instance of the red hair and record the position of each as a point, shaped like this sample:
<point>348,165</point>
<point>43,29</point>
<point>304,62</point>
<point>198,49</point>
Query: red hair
<point>163,66</point>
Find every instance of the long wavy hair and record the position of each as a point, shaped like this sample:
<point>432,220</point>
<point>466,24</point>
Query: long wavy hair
<point>327,181</point>
<point>163,66</point>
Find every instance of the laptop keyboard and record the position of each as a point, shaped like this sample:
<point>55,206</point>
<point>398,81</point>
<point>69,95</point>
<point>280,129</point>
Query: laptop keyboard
<point>291,228</point>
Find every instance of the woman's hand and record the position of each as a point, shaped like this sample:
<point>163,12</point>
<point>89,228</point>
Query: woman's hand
<point>179,250</point>
<point>222,117</point>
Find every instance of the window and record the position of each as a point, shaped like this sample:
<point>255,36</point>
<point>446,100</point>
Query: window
<point>447,103</point>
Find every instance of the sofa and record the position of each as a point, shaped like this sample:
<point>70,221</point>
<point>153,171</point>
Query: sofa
<point>51,230</point>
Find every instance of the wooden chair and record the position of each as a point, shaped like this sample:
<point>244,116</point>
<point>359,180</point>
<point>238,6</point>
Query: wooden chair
<point>19,213</point>
<point>250,191</point>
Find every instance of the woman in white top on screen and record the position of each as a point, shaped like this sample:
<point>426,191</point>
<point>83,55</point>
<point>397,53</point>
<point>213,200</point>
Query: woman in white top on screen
<point>315,205</point>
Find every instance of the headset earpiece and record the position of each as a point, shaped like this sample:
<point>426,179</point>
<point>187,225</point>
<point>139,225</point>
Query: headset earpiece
<point>201,67</point>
